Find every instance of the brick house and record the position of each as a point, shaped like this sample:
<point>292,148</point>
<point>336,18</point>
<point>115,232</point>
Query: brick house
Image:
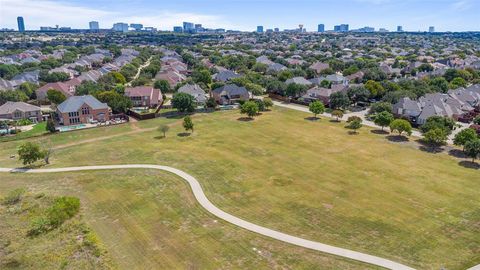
<point>144,96</point>
<point>82,110</point>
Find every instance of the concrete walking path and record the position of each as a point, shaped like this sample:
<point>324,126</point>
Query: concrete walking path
<point>205,203</point>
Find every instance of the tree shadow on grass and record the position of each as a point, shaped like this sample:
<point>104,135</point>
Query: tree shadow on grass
<point>245,119</point>
<point>311,118</point>
<point>183,134</point>
<point>434,149</point>
<point>160,137</point>
<point>469,165</point>
<point>335,121</point>
<point>352,132</point>
<point>396,138</point>
<point>457,153</point>
<point>379,131</point>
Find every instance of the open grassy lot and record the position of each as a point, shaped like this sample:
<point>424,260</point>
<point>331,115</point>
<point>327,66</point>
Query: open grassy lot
<point>149,220</point>
<point>73,245</point>
<point>307,178</point>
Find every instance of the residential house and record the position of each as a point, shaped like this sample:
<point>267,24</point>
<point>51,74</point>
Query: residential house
<point>20,110</point>
<point>322,94</point>
<point>225,75</point>
<point>276,67</point>
<point>319,67</point>
<point>298,80</point>
<point>82,110</point>
<point>230,94</point>
<point>194,90</point>
<point>144,96</point>
<point>66,89</point>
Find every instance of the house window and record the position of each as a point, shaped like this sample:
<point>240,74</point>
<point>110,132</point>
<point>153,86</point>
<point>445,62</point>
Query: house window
<point>17,114</point>
<point>72,114</point>
<point>74,120</point>
<point>85,111</point>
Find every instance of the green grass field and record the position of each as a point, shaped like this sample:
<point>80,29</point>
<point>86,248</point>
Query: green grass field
<point>307,178</point>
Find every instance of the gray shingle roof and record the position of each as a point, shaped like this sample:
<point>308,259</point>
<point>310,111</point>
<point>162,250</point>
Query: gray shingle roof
<point>10,107</point>
<point>74,103</point>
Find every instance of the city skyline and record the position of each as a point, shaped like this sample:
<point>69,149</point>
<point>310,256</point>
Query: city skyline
<point>413,15</point>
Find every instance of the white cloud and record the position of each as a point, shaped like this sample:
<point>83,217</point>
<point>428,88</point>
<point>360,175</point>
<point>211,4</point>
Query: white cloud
<point>38,13</point>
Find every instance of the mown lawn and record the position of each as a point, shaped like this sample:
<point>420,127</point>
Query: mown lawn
<point>311,179</point>
<point>37,130</point>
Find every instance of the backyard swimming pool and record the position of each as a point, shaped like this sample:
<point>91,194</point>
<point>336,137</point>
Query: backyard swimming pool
<point>68,128</point>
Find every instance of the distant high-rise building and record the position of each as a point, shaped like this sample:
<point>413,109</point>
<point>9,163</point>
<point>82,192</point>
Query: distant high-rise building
<point>431,29</point>
<point>136,26</point>
<point>336,28</point>
<point>321,28</point>
<point>93,25</point>
<point>344,27</point>
<point>188,27</point>
<point>177,29</point>
<point>276,29</point>
<point>120,27</point>
<point>399,28</point>
<point>21,24</point>
<point>259,29</point>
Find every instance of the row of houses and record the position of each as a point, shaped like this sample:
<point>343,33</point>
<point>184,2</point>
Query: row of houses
<point>456,104</point>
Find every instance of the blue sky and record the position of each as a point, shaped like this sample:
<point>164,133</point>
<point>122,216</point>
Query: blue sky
<point>413,15</point>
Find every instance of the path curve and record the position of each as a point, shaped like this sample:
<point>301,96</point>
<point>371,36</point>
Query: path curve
<point>210,207</point>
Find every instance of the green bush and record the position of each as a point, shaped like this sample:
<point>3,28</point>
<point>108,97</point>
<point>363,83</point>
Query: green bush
<point>62,209</point>
<point>13,197</point>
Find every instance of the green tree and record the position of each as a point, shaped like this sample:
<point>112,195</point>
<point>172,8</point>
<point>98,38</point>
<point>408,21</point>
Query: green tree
<point>339,100</point>
<point>338,114</point>
<point>465,136</point>
<point>119,103</point>
<point>163,85</point>
<point>476,121</point>
<point>29,153</point>
<point>457,82</point>
<point>358,93</point>
<point>295,90</point>
<point>316,107</point>
<point>202,76</point>
<point>435,137</point>
<point>354,123</point>
<point>379,107</point>
<point>375,88</point>
<point>401,126</point>
<point>50,126</point>
<point>472,149</point>
<point>55,96</point>
<point>383,119</point>
<point>188,123</point>
<point>249,108</point>
<point>445,123</point>
<point>183,102</point>
<point>211,103</point>
<point>268,103</point>
<point>163,129</point>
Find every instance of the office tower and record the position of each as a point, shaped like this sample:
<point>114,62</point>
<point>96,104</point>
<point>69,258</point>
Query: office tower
<point>259,29</point>
<point>321,28</point>
<point>336,28</point>
<point>399,28</point>
<point>21,24</point>
<point>177,29</point>
<point>344,27</point>
<point>431,29</point>
<point>136,26</point>
<point>120,27</point>
<point>188,27</point>
<point>276,29</point>
<point>93,25</point>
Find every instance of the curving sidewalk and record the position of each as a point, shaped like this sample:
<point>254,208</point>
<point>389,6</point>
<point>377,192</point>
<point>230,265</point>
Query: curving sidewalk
<point>205,203</point>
